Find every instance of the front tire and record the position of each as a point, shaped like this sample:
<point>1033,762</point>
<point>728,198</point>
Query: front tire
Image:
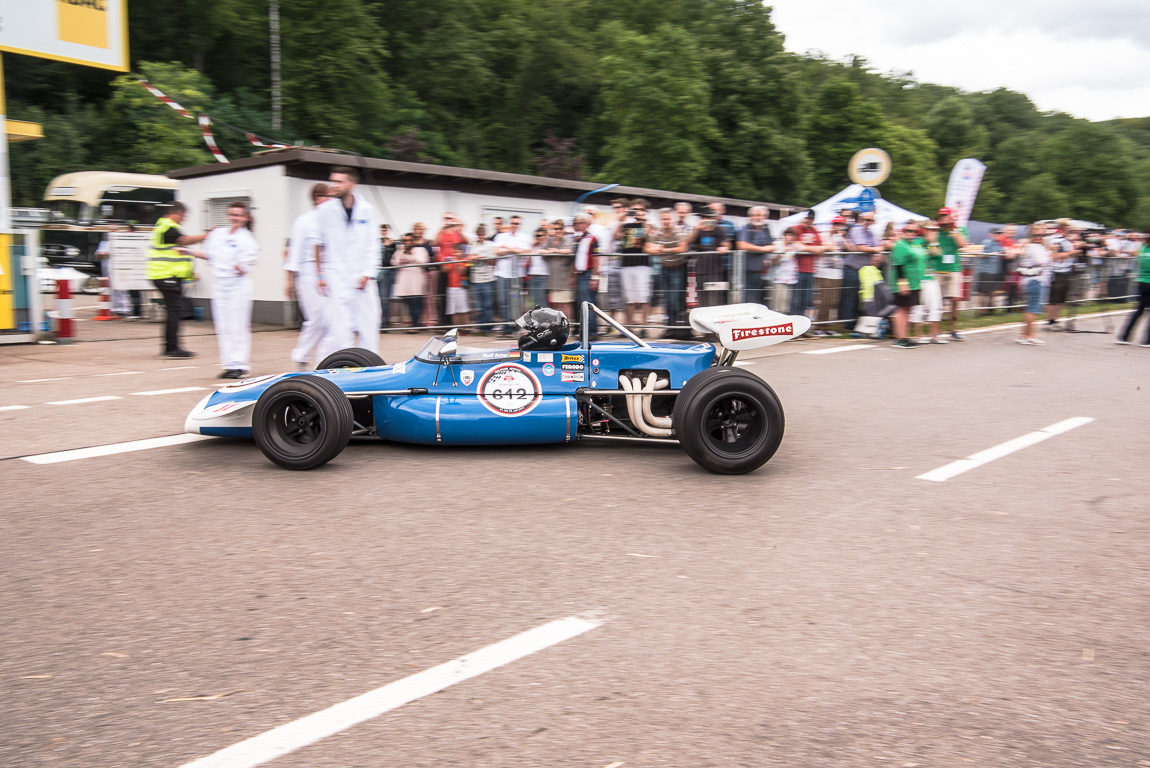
<point>728,420</point>
<point>352,357</point>
<point>302,422</point>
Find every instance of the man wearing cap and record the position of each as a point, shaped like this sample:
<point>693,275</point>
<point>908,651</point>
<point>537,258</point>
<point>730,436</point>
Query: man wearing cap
<point>864,243</point>
<point>951,239</point>
<point>1062,254</point>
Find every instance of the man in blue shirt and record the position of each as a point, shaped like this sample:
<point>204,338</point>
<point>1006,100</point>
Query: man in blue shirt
<point>756,242</point>
<point>864,243</point>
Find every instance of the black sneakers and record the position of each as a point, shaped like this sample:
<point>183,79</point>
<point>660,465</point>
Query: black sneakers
<point>180,353</point>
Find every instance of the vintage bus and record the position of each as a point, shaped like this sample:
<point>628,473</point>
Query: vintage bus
<point>84,206</point>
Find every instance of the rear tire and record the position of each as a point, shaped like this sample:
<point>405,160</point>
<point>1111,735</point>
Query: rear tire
<point>302,422</point>
<point>728,420</point>
<point>352,357</point>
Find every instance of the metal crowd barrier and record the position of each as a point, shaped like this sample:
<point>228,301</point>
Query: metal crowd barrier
<point>704,279</point>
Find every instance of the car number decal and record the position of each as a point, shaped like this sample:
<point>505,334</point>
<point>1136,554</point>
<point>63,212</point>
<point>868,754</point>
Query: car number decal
<point>509,390</point>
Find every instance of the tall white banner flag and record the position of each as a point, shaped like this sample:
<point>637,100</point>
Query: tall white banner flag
<point>962,190</point>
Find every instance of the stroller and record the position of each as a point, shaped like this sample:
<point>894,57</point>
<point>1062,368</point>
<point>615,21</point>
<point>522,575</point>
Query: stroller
<point>873,322</point>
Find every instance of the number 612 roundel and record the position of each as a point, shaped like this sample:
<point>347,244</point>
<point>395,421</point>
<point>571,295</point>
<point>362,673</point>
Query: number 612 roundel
<point>509,390</point>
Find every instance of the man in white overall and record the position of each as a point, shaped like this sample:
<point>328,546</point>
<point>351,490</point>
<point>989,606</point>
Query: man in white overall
<point>301,269</point>
<point>348,263</point>
<point>232,251</point>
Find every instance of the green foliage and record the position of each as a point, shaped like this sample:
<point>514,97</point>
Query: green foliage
<point>164,139</point>
<point>692,95</point>
<point>656,83</point>
<point>915,181</point>
<point>1039,197</point>
<point>841,122</point>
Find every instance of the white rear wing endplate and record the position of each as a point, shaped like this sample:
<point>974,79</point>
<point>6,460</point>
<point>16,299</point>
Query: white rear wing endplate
<point>748,326</point>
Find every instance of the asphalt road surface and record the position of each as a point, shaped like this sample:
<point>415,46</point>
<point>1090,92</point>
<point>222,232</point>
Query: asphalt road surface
<point>830,609</point>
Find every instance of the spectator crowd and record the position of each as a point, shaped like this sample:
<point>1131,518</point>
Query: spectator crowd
<point>353,276</point>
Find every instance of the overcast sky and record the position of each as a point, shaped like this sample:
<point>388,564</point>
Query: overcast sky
<point>1090,59</point>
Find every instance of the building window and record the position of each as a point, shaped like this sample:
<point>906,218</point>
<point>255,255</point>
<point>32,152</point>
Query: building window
<point>218,209</point>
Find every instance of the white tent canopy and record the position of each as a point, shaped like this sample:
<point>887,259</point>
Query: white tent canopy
<point>847,199</point>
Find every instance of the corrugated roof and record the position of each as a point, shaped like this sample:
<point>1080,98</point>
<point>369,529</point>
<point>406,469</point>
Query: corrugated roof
<point>398,168</point>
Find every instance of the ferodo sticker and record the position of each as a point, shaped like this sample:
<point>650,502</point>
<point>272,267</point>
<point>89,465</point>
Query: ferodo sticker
<point>572,366</point>
<point>467,377</point>
<point>509,390</point>
<point>572,359</point>
<point>786,329</point>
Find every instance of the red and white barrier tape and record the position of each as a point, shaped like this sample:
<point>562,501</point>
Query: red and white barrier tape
<point>209,139</point>
<point>205,123</point>
<point>160,95</point>
<point>253,139</point>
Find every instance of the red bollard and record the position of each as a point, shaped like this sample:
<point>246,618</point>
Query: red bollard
<point>65,331</point>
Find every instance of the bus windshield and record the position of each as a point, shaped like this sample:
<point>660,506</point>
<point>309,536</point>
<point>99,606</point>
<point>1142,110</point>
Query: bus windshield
<point>67,211</point>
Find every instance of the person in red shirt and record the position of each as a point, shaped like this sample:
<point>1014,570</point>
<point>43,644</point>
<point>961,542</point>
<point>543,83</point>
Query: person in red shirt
<point>802,298</point>
<point>445,241</point>
<point>453,266</point>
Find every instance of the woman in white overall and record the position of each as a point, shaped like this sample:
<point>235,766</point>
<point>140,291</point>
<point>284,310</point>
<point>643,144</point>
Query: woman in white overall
<point>232,252</point>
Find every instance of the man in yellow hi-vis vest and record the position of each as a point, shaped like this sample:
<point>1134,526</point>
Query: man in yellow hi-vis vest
<point>169,266</point>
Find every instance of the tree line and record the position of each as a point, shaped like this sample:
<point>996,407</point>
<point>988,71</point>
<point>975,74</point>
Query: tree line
<point>690,95</point>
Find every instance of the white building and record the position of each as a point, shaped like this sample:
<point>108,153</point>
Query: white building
<point>276,183</point>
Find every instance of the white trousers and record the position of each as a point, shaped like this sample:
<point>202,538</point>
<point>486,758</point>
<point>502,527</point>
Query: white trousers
<point>315,318</point>
<point>232,315</point>
<point>353,320</point>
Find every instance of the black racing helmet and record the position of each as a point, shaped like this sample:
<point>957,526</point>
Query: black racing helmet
<point>546,329</point>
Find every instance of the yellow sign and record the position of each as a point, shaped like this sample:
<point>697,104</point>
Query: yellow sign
<point>85,23</point>
<point>869,167</point>
<point>91,32</point>
<point>7,303</point>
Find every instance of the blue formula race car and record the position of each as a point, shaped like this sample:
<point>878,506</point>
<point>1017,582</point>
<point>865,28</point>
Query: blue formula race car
<point>545,390</point>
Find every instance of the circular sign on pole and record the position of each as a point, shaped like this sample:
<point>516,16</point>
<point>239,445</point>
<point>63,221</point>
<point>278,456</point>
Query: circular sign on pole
<point>869,167</point>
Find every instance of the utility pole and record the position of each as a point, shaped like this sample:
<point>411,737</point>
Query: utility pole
<point>274,29</point>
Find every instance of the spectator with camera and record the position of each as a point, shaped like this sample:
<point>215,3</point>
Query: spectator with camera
<point>1063,252</point>
<point>710,240</point>
<point>951,239</point>
<point>666,243</point>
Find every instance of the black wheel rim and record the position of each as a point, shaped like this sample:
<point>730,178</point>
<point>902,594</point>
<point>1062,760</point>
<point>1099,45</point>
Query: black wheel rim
<point>734,424</point>
<point>298,422</point>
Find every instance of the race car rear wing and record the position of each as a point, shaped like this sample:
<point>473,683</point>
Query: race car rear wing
<point>748,326</point>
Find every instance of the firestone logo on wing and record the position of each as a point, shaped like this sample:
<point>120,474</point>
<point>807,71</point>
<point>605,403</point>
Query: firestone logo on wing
<point>738,334</point>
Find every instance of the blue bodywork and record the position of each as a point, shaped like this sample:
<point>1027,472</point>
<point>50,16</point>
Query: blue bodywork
<point>476,396</point>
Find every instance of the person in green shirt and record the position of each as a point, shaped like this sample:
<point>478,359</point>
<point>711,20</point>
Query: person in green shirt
<point>928,312</point>
<point>951,238</point>
<point>907,263</point>
<point>1142,276</point>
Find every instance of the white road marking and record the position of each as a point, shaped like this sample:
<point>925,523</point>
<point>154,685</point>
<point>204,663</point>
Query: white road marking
<point>745,363</point>
<point>975,460</point>
<point>83,400</point>
<point>36,381</point>
<point>339,717</point>
<point>180,368</point>
<point>169,391</point>
<point>844,348</point>
<point>114,448</point>
<point>121,373</point>
<point>14,407</point>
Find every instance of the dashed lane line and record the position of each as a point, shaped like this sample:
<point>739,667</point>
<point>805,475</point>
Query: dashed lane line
<point>844,348</point>
<point>119,373</point>
<point>170,391</point>
<point>976,460</point>
<point>14,407</point>
<point>112,449</point>
<point>83,400</point>
<point>339,717</point>
<point>37,381</point>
